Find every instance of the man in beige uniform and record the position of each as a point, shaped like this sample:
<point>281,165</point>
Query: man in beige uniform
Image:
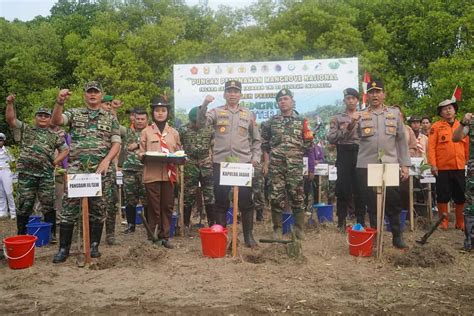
<point>381,130</point>
<point>237,135</point>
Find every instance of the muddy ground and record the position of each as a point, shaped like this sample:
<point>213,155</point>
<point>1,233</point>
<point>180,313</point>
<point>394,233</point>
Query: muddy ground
<point>137,277</point>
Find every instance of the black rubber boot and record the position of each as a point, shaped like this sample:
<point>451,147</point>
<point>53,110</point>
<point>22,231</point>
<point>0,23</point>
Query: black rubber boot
<point>341,223</point>
<point>361,220</point>
<point>247,227</point>
<point>259,216</point>
<point>220,216</point>
<point>131,218</point>
<point>396,232</point>
<point>187,216</point>
<point>95,236</point>
<point>373,220</point>
<point>299,224</point>
<point>210,214</point>
<point>21,222</point>
<point>65,238</point>
<point>50,217</point>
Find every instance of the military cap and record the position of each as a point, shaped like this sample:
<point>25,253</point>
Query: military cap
<point>414,118</point>
<point>160,101</point>
<point>107,98</point>
<point>375,84</point>
<point>282,93</point>
<point>446,103</point>
<point>2,136</point>
<point>93,85</point>
<point>192,115</point>
<point>351,91</point>
<point>233,84</point>
<point>42,110</point>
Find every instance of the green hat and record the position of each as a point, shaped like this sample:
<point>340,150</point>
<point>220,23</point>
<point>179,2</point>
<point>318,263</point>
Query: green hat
<point>193,114</point>
<point>93,85</point>
<point>282,93</point>
<point>107,98</point>
<point>42,110</point>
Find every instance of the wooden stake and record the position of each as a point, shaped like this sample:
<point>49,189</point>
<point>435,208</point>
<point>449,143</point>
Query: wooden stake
<point>381,196</point>
<point>411,210</point>
<point>234,221</point>
<point>85,230</point>
<point>429,205</point>
<point>181,200</point>
<point>319,189</point>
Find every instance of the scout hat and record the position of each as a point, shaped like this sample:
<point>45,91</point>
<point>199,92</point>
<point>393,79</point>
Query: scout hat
<point>107,98</point>
<point>375,84</point>
<point>42,110</point>
<point>352,92</point>
<point>233,84</point>
<point>446,103</point>
<point>282,93</point>
<point>2,136</point>
<point>93,85</point>
<point>160,100</point>
<point>193,114</point>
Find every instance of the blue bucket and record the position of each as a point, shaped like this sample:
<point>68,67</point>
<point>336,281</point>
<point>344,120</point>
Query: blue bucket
<point>174,222</point>
<point>40,230</point>
<point>34,219</point>
<point>138,219</point>
<point>324,212</point>
<point>230,216</point>
<point>403,218</point>
<point>288,221</point>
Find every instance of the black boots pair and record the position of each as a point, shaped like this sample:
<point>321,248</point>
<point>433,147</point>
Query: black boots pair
<point>131,214</point>
<point>397,240</point>
<point>65,239</point>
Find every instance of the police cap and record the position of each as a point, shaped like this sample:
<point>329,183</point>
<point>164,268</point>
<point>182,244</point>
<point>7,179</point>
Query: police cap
<point>375,84</point>
<point>233,84</point>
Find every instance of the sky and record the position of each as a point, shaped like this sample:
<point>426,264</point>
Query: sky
<point>26,10</point>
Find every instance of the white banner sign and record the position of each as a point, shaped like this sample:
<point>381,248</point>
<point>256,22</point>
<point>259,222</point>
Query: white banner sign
<point>321,169</point>
<point>236,174</point>
<point>119,176</point>
<point>427,177</point>
<point>332,173</point>
<point>305,166</point>
<point>314,83</point>
<point>375,174</point>
<point>84,185</point>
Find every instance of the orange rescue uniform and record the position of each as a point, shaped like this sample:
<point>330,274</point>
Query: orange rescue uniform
<point>443,153</point>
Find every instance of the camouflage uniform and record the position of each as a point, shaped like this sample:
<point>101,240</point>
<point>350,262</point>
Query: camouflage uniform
<point>469,206</point>
<point>258,190</point>
<point>132,177</point>
<point>197,145</point>
<point>92,134</point>
<point>283,139</point>
<point>36,170</point>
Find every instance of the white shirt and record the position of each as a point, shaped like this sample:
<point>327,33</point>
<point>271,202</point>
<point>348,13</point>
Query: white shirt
<point>5,158</point>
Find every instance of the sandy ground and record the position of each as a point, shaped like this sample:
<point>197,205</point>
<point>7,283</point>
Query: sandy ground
<point>138,277</point>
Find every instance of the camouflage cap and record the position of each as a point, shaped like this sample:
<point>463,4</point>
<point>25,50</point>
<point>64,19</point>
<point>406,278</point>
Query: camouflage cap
<point>375,84</point>
<point>282,93</point>
<point>107,98</point>
<point>233,84</point>
<point>2,136</point>
<point>42,110</point>
<point>93,85</point>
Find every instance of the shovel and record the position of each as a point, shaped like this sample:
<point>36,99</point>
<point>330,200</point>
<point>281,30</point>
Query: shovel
<point>148,229</point>
<point>293,246</point>
<point>425,237</point>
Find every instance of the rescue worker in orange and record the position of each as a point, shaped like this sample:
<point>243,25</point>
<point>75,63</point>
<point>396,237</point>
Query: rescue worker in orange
<point>447,160</point>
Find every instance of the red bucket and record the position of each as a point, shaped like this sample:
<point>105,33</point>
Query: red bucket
<point>213,244</point>
<point>361,242</point>
<point>20,251</point>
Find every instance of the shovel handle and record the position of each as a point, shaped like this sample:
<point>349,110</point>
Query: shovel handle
<point>271,241</point>
<point>147,227</point>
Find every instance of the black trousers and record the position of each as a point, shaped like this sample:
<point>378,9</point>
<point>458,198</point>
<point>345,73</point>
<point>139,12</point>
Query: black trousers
<point>221,195</point>
<point>369,197</point>
<point>451,184</point>
<point>346,184</point>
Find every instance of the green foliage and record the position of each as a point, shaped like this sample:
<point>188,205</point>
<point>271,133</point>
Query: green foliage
<point>421,49</point>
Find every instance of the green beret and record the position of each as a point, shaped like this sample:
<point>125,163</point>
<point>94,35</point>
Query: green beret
<point>193,114</point>
<point>283,92</point>
<point>107,98</point>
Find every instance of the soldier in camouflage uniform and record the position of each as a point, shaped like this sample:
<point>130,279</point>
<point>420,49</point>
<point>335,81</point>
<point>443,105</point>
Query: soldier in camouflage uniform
<point>133,169</point>
<point>466,128</point>
<point>36,164</point>
<point>95,141</point>
<point>197,144</point>
<point>258,187</point>
<point>285,138</point>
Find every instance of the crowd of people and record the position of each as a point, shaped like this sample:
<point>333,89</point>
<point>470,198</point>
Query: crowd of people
<point>90,139</point>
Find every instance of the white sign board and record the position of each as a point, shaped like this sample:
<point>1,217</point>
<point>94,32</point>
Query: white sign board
<point>427,177</point>
<point>332,173</point>
<point>375,173</point>
<point>119,175</point>
<point>305,166</point>
<point>315,83</point>
<point>416,162</point>
<point>321,169</point>
<point>84,185</point>
<point>236,174</point>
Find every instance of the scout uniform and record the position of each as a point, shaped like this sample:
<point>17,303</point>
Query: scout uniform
<point>381,132</point>
<point>197,145</point>
<point>235,134</point>
<point>347,144</point>
<point>286,139</point>
<point>36,171</point>
<point>450,158</point>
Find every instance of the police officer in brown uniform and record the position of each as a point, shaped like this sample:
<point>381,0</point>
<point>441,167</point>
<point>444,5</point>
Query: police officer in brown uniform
<point>381,130</point>
<point>237,135</point>
<point>347,143</point>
